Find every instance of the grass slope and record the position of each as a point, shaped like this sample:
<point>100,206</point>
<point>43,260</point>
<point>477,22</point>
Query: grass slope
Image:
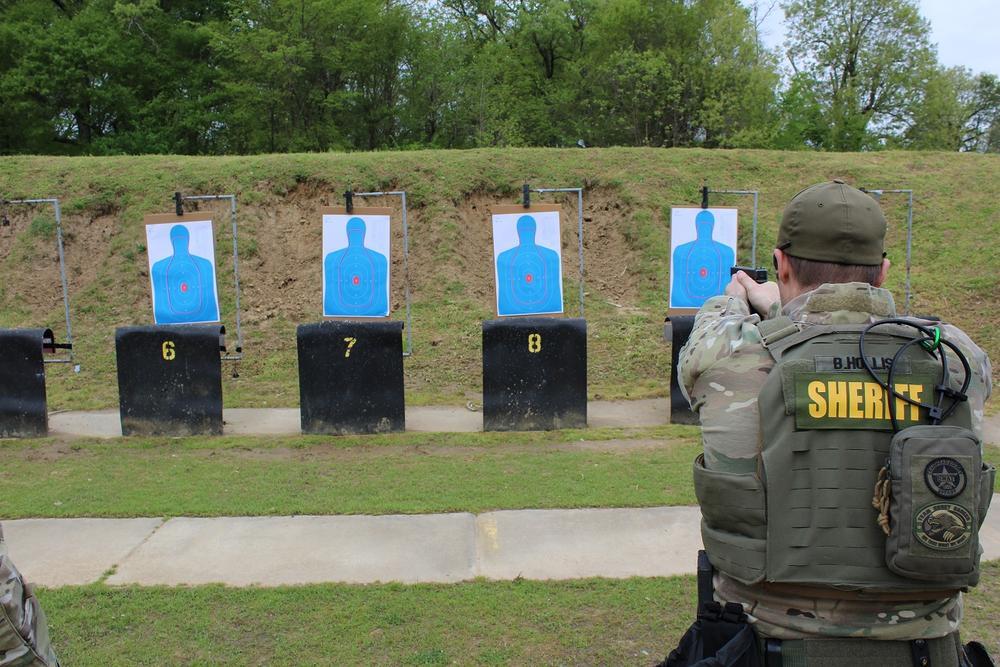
<point>591,622</point>
<point>629,195</point>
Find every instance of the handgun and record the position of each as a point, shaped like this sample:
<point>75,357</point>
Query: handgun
<point>759,275</point>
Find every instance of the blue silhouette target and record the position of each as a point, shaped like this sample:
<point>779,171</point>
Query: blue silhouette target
<point>182,272</point>
<point>703,248</point>
<point>356,265</point>
<point>528,263</point>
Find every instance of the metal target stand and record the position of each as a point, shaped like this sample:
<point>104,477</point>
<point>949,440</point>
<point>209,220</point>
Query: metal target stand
<point>526,191</point>
<point>705,191</point>
<point>877,195</point>
<point>535,367</point>
<point>170,375</point>
<point>24,411</point>
<point>677,328</point>
<point>351,368</point>
<point>57,208</point>
<point>179,209</point>
<point>349,201</point>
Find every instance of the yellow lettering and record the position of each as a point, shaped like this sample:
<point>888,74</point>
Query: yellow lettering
<point>838,399</point>
<point>855,410</point>
<point>873,400</point>
<point>903,390</point>
<point>817,408</point>
<point>916,390</point>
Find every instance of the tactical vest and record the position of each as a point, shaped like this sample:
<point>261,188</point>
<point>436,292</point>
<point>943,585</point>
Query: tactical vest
<point>806,517</point>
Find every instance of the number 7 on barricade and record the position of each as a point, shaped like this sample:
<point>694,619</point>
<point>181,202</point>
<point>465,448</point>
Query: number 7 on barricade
<point>350,340</point>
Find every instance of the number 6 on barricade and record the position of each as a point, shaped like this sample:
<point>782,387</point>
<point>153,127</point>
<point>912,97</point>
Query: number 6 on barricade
<point>535,343</point>
<point>169,350</point>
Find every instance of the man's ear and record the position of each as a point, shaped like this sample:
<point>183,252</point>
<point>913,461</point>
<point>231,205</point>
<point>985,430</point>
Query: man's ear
<point>782,269</point>
<point>883,273</point>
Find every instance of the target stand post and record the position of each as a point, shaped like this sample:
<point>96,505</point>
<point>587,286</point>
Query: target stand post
<point>535,367</point>
<point>680,320</point>
<point>170,374</point>
<point>170,379</point>
<point>351,377</point>
<point>676,332</point>
<point>23,403</point>
<point>351,365</point>
<point>534,374</point>
<point>24,352</point>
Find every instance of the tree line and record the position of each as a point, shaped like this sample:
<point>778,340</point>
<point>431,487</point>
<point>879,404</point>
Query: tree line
<point>252,76</point>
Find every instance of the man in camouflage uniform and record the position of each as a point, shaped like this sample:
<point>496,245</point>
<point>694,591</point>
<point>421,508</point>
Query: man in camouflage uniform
<point>724,365</point>
<point>24,633</point>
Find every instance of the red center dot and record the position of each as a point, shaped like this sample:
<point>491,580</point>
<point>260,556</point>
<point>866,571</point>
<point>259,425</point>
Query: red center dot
<point>184,287</point>
<point>528,278</point>
<point>356,280</point>
<point>703,273</point>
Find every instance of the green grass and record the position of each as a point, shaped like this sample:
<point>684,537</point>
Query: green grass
<point>593,621</point>
<point>411,473</point>
<point>629,194</point>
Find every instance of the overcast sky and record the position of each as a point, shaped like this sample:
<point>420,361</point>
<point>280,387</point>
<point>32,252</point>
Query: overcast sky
<point>966,32</point>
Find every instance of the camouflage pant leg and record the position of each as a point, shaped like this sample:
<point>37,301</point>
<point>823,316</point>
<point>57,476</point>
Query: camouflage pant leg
<point>24,632</point>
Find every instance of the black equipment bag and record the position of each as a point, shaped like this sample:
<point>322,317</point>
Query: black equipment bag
<point>720,636</point>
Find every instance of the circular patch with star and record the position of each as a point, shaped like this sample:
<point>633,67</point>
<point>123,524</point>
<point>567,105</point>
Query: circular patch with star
<point>945,477</point>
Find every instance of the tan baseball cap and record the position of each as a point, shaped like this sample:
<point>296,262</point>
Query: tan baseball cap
<point>833,222</point>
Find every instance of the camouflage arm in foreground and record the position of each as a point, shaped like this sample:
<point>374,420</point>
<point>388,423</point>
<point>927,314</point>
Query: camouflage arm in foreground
<point>725,394</point>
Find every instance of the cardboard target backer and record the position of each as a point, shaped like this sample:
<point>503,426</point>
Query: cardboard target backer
<point>356,266</point>
<point>181,252</point>
<point>702,250</point>
<point>527,260</point>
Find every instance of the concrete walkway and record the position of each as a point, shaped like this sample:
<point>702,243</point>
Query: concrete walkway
<point>285,421</point>
<point>271,551</point>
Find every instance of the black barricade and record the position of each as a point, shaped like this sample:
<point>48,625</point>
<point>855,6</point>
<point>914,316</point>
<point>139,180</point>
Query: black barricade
<point>23,409</point>
<point>351,377</point>
<point>534,374</point>
<point>680,411</point>
<point>170,379</point>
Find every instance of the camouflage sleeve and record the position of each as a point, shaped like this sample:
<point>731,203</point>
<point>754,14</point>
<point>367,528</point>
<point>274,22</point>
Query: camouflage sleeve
<point>981,386</point>
<point>721,326</point>
<point>722,368</point>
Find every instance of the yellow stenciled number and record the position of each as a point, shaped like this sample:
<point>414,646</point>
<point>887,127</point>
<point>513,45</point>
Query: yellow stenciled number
<point>169,353</point>
<point>534,343</point>
<point>350,343</point>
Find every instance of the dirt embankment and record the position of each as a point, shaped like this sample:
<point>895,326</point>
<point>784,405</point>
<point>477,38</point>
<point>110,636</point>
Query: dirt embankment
<point>281,254</point>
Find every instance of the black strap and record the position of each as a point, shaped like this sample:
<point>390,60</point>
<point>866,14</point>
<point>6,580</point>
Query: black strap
<point>772,653</point>
<point>706,589</point>
<point>921,653</point>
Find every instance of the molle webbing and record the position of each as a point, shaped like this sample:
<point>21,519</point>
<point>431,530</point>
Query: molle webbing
<point>821,527</point>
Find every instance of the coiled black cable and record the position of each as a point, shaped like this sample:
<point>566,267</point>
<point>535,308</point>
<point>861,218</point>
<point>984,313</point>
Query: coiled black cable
<point>943,389</point>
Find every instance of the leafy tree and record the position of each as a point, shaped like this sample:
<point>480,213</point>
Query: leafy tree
<point>864,60</point>
<point>957,112</point>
